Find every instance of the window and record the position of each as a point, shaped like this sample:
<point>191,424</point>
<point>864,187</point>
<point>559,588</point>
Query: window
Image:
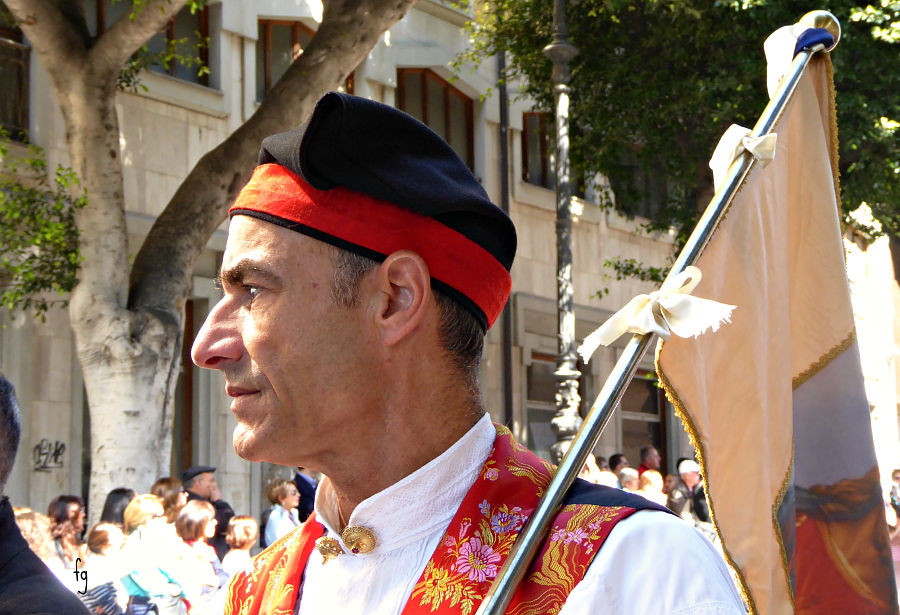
<point>192,29</point>
<point>439,105</point>
<point>640,186</point>
<point>277,46</point>
<point>13,79</point>
<point>643,408</point>
<point>537,167</point>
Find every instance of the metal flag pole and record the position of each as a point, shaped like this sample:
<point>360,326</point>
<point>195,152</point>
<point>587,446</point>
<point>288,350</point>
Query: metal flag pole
<point>522,553</point>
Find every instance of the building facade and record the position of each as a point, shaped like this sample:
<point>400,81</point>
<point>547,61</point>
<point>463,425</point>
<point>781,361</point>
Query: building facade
<point>166,128</point>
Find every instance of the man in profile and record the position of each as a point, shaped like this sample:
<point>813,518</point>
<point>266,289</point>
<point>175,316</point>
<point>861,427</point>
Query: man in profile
<point>363,266</point>
<point>650,460</point>
<point>27,587</point>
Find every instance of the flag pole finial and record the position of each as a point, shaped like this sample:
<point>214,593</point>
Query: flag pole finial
<point>825,20</point>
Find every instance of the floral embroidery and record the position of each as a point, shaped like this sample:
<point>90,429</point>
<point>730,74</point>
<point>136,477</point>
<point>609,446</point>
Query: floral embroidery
<point>486,526</point>
<point>477,559</point>
<point>507,521</point>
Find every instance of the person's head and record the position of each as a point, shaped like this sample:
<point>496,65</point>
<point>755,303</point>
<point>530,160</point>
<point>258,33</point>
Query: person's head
<point>650,457</point>
<point>651,480</point>
<point>196,521</point>
<point>114,506</point>
<point>105,538</point>
<point>602,464</point>
<point>141,510</point>
<point>202,483</point>
<point>242,532</point>
<point>66,512</point>
<point>284,493</point>
<point>354,259</point>
<point>669,483</point>
<point>173,496</point>
<point>617,461</point>
<point>35,528</point>
<point>689,470</point>
<point>10,429</point>
<point>895,476</point>
<point>628,479</point>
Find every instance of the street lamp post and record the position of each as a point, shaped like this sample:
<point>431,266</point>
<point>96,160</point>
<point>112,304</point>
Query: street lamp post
<point>567,420</point>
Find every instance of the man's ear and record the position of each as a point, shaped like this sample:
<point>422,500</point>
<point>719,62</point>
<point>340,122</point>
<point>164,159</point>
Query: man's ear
<point>404,288</point>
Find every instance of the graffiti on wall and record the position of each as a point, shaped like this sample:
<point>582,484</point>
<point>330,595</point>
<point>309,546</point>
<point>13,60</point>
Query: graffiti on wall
<point>48,455</point>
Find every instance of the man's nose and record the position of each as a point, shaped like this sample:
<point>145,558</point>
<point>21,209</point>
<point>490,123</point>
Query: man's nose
<point>218,343</point>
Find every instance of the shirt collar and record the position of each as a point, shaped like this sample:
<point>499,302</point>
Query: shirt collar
<point>419,504</point>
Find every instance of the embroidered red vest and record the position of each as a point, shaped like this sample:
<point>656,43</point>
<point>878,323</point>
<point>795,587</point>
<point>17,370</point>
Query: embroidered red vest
<point>472,550</point>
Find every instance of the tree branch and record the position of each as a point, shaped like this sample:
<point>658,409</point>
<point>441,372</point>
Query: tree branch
<point>126,36</point>
<point>161,275</point>
<point>53,37</point>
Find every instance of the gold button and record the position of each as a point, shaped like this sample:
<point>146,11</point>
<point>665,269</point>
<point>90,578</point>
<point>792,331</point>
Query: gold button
<point>358,539</point>
<point>329,548</point>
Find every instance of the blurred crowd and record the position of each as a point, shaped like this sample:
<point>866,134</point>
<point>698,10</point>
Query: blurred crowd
<point>172,551</point>
<point>683,493</point>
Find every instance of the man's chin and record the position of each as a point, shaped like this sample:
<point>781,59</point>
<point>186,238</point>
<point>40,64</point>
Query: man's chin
<point>246,445</point>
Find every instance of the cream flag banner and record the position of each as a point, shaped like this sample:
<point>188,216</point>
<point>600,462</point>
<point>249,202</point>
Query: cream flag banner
<point>774,402</point>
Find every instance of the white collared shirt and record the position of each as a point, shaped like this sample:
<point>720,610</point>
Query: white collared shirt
<point>650,563</point>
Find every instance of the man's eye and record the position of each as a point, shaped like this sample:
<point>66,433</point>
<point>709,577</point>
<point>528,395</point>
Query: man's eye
<point>253,291</point>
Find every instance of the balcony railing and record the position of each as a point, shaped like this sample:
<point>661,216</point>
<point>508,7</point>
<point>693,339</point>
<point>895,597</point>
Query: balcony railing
<point>14,88</point>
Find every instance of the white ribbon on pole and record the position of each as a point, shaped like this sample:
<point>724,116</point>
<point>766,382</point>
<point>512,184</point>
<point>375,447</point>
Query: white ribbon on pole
<point>671,309</point>
<point>733,143</point>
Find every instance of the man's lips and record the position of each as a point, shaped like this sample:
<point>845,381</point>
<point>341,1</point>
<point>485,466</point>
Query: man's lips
<point>234,391</point>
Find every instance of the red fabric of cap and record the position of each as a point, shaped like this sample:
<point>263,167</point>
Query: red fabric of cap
<point>382,227</point>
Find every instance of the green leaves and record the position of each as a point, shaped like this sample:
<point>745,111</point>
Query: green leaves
<point>656,83</point>
<point>38,234</point>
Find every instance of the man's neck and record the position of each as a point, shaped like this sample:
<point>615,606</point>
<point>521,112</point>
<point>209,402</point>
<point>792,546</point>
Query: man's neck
<point>395,455</point>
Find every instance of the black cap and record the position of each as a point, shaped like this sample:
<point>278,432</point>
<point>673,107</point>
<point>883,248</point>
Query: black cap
<point>381,151</point>
<point>193,471</point>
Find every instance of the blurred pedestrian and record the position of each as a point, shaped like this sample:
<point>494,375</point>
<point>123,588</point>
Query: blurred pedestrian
<point>650,459</point>
<point>628,480</point>
<point>201,485</point>
<point>67,515</point>
<point>173,494</point>
<point>152,569</point>
<point>241,534</point>
<point>104,593</point>
<point>196,525</point>
<point>27,587</point>
<point>283,518</point>
<point>114,506</point>
<point>617,461</point>
<point>650,486</point>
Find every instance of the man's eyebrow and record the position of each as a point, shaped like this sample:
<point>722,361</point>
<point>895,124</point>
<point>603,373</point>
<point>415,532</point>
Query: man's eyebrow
<point>234,276</point>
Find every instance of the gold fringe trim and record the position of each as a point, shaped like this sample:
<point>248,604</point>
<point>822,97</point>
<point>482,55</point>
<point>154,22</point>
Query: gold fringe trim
<point>785,485</point>
<point>694,435</point>
<point>823,361</point>
<point>832,104</point>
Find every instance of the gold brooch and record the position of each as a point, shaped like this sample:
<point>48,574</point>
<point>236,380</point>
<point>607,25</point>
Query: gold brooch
<point>358,538</point>
<point>329,548</point>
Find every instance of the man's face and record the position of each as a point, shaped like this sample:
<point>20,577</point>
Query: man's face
<point>204,485</point>
<point>623,463</point>
<point>896,478</point>
<point>653,459</point>
<point>294,364</point>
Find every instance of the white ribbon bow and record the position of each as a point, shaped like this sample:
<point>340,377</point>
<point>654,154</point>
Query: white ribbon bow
<point>671,309</point>
<point>733,143</point>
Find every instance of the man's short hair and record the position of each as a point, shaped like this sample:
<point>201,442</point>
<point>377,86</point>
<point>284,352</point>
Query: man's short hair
<point>645,452</point>
<point>10,429</point>
<point>615,459</point>
<point>460,333</point>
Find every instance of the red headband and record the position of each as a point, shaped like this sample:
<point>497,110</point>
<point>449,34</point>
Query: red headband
<point>347,218</point>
